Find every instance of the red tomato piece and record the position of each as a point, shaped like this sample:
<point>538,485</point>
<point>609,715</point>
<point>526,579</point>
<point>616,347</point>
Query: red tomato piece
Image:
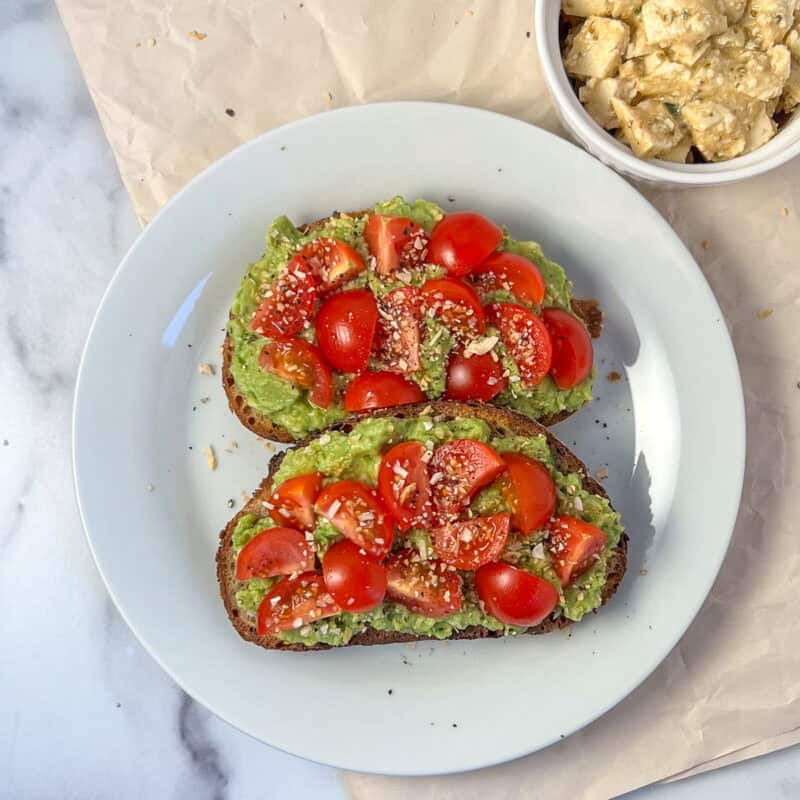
<point>430,588</point>
<point>458,469</point>
<point>526,338</point>
<point>355,579</point>
<point>292,503</point>
<point>456,304</point>
<point>529,490</point>
<point>300,363</point>
<point>345,328</point>
<point>277,551</point>
<point>380,390</point>
<point>463,240</point>
<point>395,242</point>
<point>477,377</point>
<point>511,273</point>
<point>471,543</point>
<point>572,347</point>
<point>513,595</point>
<point>403,485</point>
<point>332,262</point>
<point>575,546</point>
<point>289,303</point>
<point>355,511</point>
<point>294,602</point>
<point>397,337</point>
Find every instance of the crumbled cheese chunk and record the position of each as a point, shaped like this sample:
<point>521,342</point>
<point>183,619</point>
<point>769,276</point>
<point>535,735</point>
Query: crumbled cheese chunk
<point>649,128</point>
<point>596,95</point>
<point>620,9</point>
<point>790,98</point>
<point>716,131</point>
<point>597,48</point>
<point>670,22</point>
<point>768,21</point>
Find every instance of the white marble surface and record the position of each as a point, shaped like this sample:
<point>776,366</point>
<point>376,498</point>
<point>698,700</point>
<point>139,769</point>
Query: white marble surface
<point>84,711</point>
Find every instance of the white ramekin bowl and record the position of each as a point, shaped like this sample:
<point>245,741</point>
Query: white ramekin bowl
<point>784,146</point>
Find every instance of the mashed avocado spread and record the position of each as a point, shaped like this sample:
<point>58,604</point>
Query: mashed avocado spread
<point>356,455</point>
<point>290,407</point>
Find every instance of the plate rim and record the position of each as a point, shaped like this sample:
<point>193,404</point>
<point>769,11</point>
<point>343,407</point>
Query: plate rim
<point>737,406</point>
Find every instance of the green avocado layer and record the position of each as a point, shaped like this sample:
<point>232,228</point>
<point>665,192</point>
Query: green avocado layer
<point>291,408</point>
<point>356,455</point>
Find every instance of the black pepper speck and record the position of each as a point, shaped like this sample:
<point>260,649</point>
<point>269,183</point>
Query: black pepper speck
<point>230,112</point>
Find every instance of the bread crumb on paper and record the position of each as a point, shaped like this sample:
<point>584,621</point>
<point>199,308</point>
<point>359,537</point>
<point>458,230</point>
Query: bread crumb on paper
<point>765,312</point>
<point>205,369</point>
<point>211,457</point>
<point>602,473</point>
<point>785,211</point>
<point>614,376</point>
<point>643,572</point>
<point>151,42</point>
<point>197,35</point>
<point>149,487</point>
<point>706,244</point>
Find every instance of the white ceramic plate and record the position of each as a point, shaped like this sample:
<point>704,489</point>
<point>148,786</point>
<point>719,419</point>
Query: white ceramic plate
<point>671,432</point>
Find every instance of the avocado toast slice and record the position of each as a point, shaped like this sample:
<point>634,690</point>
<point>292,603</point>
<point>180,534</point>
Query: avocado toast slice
<point>262,394</point>
<point>353,450</point>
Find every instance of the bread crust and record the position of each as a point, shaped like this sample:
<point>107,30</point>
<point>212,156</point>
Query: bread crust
<point>501,420</point>
<point>260,424</point>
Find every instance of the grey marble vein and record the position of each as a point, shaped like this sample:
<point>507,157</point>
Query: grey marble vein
<point>44,380</point>
<point>12,523</point>
<point>208,767</point>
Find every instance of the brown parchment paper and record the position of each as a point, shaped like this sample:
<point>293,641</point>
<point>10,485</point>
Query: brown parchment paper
<point>178,83</point>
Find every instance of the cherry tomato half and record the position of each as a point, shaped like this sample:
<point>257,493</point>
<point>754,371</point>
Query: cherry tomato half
<point>403,485</point>
<point>430,588</point>
<point>294,602</point>
<point>397,336</point>
<point>292,503</point>
<point>463,240</point>
<point>380,390</point>
<point>289,304</point>
<point>456,304</point>
<point>572,347</point>
<point>300,363</point>
<point>458,469</point>
<point>513,595</point>
<point>345,328</point>
<point>512,273</point>
<point>526,338</point>
<point>277,551</point>
<point>471,543</point>
<point>355,511</point>
<point>575,546</point>
<point>396,243</point>
<point>529,490</point>
<point>475,378</point>
<point>332,262</point>
<point>355,579</point>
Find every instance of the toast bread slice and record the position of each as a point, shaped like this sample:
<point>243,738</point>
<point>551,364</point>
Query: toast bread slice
<point>501,420</point>
<point>260,424</point>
